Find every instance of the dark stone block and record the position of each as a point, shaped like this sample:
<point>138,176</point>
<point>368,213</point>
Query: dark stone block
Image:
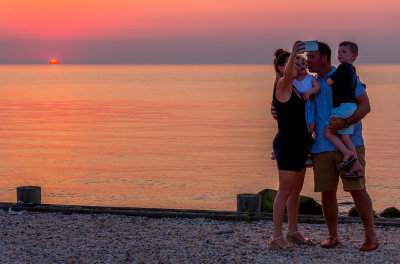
<point>29,195</point>
<point>250,203</point>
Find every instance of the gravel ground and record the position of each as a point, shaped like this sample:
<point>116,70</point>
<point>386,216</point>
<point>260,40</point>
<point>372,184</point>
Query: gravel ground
<point>77,238</point>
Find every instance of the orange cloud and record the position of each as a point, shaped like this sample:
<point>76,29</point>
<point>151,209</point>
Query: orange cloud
<point>168,29</point>
<point>99,19</point>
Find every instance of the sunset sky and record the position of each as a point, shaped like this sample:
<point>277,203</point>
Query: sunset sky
<point>191,31</point>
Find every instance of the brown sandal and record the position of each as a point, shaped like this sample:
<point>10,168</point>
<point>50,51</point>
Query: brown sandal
<point>273,246</point>
<point>292,239</point>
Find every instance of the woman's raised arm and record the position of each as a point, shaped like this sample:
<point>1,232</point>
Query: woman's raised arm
<point>284,86</point>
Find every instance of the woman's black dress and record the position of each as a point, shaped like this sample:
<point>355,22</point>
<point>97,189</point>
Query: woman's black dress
<point>290,143</point>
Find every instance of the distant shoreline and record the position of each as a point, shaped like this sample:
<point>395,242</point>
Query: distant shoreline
<point>172,64</point>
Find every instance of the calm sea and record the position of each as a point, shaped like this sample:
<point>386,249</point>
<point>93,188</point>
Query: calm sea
<point>166,136</point>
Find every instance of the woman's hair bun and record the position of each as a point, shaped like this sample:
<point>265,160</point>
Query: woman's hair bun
<point>279,52</point>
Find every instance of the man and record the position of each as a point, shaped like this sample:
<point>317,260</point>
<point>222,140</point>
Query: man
<point>327,158</point>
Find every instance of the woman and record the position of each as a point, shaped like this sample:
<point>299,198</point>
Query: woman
<point>281,57</point>
<point>290,149</point>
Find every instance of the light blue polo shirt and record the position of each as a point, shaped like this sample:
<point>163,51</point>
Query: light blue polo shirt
<point>323,107</point>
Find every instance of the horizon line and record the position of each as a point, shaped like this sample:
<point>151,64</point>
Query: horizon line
<point>256,63</point>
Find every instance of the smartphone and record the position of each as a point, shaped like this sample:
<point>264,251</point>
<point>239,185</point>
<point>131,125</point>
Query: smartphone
<point>310,46</point>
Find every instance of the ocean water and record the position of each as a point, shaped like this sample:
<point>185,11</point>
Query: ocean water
<point>189,136</point>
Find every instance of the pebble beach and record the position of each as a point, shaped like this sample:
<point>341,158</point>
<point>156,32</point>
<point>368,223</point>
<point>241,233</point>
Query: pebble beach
<point>32,237</point>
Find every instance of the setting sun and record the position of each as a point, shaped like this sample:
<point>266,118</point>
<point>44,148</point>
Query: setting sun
<point>54,62</point>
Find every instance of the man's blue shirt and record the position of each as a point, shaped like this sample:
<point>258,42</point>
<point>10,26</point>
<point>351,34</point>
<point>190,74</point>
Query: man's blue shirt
<point>323,106</point>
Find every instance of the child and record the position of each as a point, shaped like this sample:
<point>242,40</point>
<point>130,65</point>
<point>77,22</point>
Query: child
<point>307,86</point>
<point>343,83</point>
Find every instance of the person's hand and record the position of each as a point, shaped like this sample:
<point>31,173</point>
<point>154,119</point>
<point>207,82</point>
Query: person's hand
<point>306,95</point>
<point>298,46</point>
<point>311,127</point>
<point>273,111</point>
<point>336,123</point>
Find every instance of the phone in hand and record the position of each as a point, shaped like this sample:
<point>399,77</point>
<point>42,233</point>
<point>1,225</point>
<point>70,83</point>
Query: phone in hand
<point>310,45</point>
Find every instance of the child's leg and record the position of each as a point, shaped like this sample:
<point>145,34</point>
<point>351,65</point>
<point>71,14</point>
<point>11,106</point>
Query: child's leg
<point>347,141</point>
<point>309,162</point>
<point>337,142</point>
<point>345,110</point>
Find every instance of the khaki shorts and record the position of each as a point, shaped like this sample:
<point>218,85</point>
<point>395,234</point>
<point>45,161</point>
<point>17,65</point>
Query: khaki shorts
<point>326,173</point>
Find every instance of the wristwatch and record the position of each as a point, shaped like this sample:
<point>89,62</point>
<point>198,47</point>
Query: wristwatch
<point>346,125</point>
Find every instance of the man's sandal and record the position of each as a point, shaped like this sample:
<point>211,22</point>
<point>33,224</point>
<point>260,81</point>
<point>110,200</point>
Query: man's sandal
<point>290,237</point>
<point>273,246</point>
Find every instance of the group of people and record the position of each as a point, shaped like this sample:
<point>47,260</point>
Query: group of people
<point>319,116</point>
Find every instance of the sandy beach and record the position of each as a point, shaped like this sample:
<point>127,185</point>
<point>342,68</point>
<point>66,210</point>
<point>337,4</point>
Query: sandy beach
<point>31,237</point>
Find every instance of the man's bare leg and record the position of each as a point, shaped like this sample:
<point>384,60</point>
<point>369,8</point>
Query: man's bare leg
<point>363,204</point>
<point>331,211</point>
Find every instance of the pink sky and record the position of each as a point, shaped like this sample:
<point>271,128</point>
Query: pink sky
<point>186,31</point>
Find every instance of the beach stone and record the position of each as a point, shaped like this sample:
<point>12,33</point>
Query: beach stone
<point>353,212</point>
<point>391,212</point>
<point>308,206</point>
<point>267,200</point>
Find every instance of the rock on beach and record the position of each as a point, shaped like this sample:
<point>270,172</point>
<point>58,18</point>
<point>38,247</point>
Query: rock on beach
<point>308,206</point>
<point>33,237</point>
<point>391,212</point>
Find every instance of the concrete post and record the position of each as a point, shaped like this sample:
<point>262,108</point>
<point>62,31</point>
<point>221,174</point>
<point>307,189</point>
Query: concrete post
<point>249,203</point>
<point>29,195</point>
